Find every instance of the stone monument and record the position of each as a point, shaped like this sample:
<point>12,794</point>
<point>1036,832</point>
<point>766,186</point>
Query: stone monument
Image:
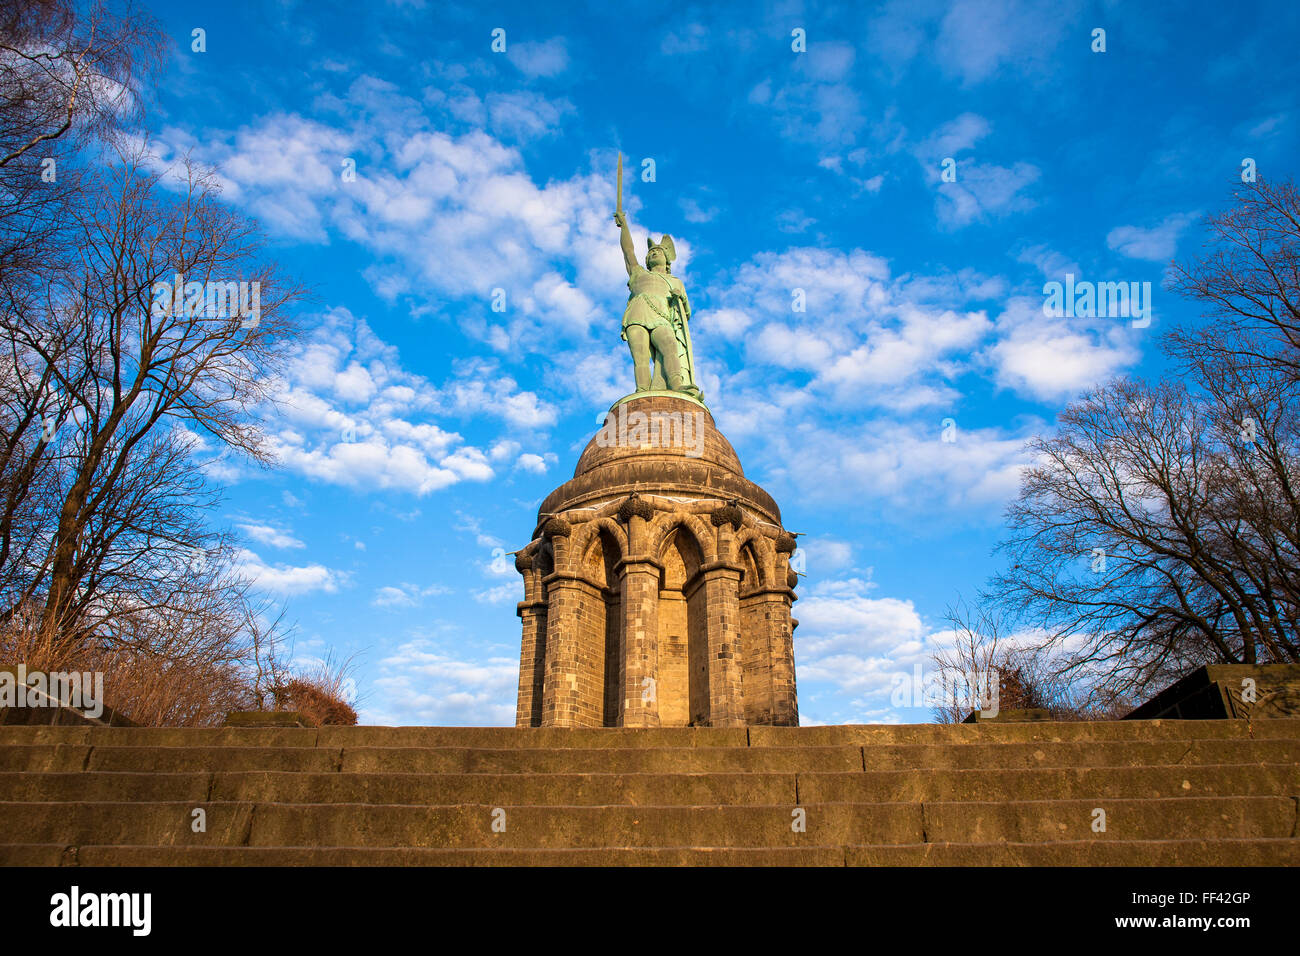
<point>657,582</point>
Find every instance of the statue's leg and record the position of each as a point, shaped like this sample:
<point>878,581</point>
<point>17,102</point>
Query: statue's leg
<point>638,340</point>
<point>657,380</point>
<point>666,343</point>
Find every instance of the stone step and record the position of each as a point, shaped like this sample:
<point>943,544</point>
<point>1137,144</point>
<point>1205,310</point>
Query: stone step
<point>1130,853</point>
<point>614,789</point>
<point>1038,731</point>
<point>1226,852</point>
<point>51,758</point>
<point>1127,753</point>
<point>594,827</point>
<point>675,737</point>
<point>654,789</point>
<point>829,759</point>
<point>579,760</point>
<point>171,856</point>
<point>1055,783</point>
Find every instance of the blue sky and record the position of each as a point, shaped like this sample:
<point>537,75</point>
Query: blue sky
<point>420,429</point>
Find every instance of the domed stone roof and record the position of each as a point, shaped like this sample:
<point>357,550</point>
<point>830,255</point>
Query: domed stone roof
<point>658,427</point>
<point>662,445</point>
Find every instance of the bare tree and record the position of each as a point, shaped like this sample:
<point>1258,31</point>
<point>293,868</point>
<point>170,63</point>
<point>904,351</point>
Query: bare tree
<point>1159,528</point>
<point>69,73</point>
<point>987,663</point>
<point>70,80</point>
<point>1138,546</point>
<point>142,324</point>
<point>1249,281</point>
<point>135,375</point>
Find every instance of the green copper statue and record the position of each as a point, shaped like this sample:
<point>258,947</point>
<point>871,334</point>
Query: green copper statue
<point>656,322</point>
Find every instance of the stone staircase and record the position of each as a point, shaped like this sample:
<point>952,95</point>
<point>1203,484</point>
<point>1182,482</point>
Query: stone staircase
<point>1173,793</point>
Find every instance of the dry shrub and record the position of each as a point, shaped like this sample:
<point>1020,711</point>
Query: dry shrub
<point>320,693</point>
<point>313,698</point>
<point>157,687</point>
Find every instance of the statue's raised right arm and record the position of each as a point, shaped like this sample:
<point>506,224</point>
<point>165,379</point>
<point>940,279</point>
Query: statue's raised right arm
<point>625,240</point>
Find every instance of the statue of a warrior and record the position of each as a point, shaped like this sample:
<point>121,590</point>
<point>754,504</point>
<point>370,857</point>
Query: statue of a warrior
<point>656,322</point>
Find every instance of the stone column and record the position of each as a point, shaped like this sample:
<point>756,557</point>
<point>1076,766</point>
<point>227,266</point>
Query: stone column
<point>726,677</point>
<point>640,666</point>
<point>564,702</point>
<point>532,660</point>
<point>561,694</point>
<point>532,655</point>
<point>639,574</point>
<point>785,707</point>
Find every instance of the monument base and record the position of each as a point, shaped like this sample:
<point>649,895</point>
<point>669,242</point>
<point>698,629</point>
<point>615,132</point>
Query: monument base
<point>658,393</point>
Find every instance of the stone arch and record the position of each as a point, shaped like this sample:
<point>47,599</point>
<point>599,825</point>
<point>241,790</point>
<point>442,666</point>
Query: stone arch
<point>584,533</point>
<point>763,555</point>
<point>751,568</point>
<point>663,526</point>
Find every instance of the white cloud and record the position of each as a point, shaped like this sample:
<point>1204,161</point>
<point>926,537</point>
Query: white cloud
<point>1054,359</point>
<point>475,526</point>
<point>1052,264</point>
<point>525,116</point>
<point>421,684</point>
<point>855,642</point>
<point>684,39</point>
<point>533,463</point>
<point>405,595</point>
<point>1156,244</point>
<point>288,579</point>
<point>955,136</point>
<point>500,594</point>
<point>824,554</point>
<point>863,337</point>
<point>539,58</point>
<point>907,466</point>
<point>983,192</point>
<point>350,414</point>
<point>269,535</point>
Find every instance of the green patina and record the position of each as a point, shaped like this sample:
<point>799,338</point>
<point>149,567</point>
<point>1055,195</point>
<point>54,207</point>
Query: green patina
<point>656,321</point>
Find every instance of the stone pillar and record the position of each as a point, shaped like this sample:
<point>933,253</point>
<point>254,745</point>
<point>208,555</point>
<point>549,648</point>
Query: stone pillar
<point>532,661</point>
<point>726,677</point>
<point>639,575</point>
<point>640,605</point>
<point>769,649</point>
<point>561,694</point>
<point>785,707</point>
<point>532,655</point>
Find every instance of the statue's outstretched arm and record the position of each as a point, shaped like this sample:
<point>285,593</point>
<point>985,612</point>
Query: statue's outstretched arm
<point>625,240</point>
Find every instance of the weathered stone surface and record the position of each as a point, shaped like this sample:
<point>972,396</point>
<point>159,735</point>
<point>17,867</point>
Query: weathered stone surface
<point>1174,793</point>
<point>666,600</point>
<point>266,718</point>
